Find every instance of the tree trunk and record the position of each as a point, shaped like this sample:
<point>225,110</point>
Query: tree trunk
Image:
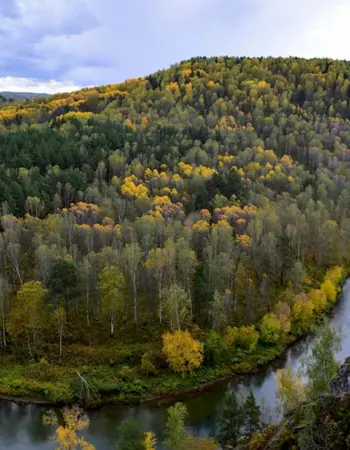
<point>88,307</point>
<point>61,339</point>
<point>35,345</point>
<point>160,303</point>
<point>28,342</point>
<point>112,323</point>
<point>178,319</point>
<point>135,303</point>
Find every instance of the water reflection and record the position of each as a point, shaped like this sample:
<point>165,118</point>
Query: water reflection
<point>21,426</point>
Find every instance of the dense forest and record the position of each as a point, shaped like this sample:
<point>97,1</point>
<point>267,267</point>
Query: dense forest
<point>194,221</point>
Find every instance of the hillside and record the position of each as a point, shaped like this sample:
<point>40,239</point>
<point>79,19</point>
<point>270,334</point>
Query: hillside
<point>20,95</point>
<point>211,197</point>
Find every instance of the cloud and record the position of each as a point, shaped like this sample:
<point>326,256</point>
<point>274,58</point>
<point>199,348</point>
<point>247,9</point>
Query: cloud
<point>103,41</point>
<point>8,8</point>
<point>16,84</point>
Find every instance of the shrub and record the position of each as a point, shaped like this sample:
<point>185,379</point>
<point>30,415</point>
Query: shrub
<point>329,289</point>
<point>318,299</point>
<point>147,367</point>
<point>182,352</point>
<point>302,311</point>
<point>270,329</point>
<point>215,350</point>
<point>127,373</point>
<point>283,314</point>
<point>245,338</point>
<point>335,275</point>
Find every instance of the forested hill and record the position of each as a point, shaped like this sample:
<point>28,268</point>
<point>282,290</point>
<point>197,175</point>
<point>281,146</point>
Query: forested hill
<point>214,193</point>
<point>12,96</point>
<point>280,123</point>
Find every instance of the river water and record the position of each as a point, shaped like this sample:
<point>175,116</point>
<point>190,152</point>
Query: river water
<point>21,426</point>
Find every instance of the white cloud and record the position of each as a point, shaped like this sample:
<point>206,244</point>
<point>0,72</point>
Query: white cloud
<point>176,12</point>
<point>329,33</point>
<point>16,84</point>
<point>104,41</point>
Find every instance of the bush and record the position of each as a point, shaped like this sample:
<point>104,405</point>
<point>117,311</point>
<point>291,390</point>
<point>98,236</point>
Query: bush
<point>330,290</point>
<point>107,388</point>
<point>270,329</point>
<point>245,338</point>
<point>147,367</point>
<point>335,275</point>
<point>42,371</point>
<point>56,392</point>
<point>302,312</point>
<point>242,367</point>
<point>318,299</point>
<point>183,353</point>
<point>215,350</point>
<point>126,373</point>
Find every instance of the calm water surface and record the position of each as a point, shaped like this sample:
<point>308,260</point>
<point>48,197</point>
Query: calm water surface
<point>21,426</point>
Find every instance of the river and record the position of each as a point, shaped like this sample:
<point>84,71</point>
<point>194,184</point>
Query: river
<point>21,426</point>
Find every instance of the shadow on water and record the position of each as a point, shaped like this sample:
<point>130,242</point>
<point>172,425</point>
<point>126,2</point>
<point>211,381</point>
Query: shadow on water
<point>21,425</point>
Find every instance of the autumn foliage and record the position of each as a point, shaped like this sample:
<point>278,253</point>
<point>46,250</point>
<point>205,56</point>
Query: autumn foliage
<point>183,353</point>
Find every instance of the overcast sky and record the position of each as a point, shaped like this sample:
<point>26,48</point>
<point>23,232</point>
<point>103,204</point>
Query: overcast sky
<point>60,45</point>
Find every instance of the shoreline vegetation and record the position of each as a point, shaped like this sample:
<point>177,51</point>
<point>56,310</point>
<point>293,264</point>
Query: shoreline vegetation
<point>201,380</point>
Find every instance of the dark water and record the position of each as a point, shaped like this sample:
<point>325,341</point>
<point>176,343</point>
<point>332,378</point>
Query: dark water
<point>21,426</point>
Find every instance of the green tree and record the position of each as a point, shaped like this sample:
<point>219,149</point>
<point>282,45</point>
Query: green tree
<point>218,312</point>
<point>215,350</point>
<point>132,255</point>
<point>321,366</point>
<point>270,328</point>
<point>63,283</point>
<point>27,316</point>
<point>231,421</point>
<point>252,415</point>
<point>176,435</point>
<point>290,388</point>
<point>131,435</point>
<point>112,289</point>
<point>158,263</point>
<point>177,306</point>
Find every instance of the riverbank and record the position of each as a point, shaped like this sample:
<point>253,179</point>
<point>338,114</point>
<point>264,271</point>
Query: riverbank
<point>102,384</point>
<point>23,423</point>
<point>131,390</point>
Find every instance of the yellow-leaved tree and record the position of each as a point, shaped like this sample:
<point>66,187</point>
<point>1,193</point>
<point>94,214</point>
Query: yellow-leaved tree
<point>290,389</point>
<point>183,353</point>
<point>302,311</point>
<point>335,274</point>
<point>330,290</point>
<point>318,299</point>
<point>66,436</point>
<point>150,441</point>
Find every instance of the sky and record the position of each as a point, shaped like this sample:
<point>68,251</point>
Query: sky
<point>61,45</point>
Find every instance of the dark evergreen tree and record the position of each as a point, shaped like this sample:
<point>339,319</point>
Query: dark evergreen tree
<point>131,435</point>
<point>231,421</point>
<point>252,415</point>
